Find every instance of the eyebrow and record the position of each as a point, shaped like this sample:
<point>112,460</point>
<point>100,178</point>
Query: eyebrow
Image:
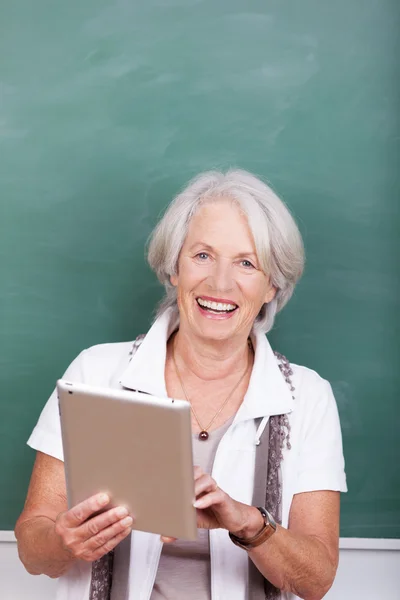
<point>211,249</point>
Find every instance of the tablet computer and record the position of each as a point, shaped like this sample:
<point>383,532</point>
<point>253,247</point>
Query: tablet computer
<point>135,447</point>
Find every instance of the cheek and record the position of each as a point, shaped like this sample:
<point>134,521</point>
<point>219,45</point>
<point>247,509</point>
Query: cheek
<point>254,290</point>
<point>190,275</point>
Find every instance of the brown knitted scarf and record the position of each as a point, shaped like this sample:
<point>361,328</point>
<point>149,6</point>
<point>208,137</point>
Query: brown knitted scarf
<point>278,436</point>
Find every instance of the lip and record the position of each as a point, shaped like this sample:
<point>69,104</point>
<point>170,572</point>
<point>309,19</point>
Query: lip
<point>215,316</point>
<point>220,300</point>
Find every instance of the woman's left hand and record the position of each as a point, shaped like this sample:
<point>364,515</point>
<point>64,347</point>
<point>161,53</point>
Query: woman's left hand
<point>217,510</point>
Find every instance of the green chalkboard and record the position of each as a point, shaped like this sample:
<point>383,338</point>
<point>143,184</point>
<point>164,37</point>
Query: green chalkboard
<point>108,108</point>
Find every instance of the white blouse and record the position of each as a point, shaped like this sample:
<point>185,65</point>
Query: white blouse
<point>314,462</point>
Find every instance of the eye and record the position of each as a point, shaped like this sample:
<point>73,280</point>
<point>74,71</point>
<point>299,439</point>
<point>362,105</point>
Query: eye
<point>202,256</point>
<point>247,264</point>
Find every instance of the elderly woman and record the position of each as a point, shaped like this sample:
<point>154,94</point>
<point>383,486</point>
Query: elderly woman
<point>267,444</point>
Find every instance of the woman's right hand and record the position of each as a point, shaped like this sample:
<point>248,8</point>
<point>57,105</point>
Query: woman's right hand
<point>89,537</point>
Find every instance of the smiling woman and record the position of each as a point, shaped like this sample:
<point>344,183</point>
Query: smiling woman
<point>244,206</point>
<point>218,255</point>
<point>267,448</point>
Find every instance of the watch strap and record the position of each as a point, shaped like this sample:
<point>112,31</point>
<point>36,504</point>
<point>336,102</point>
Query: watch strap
<point>262,536</point>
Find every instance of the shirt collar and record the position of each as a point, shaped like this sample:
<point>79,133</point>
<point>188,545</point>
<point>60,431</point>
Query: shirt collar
<point>268,393</point>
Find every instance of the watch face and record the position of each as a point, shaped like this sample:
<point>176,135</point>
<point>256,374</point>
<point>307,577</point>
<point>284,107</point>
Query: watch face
<point>268,518</point>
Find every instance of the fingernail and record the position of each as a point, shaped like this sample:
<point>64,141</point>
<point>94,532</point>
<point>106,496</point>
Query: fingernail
<point>127,521</point>
<point>104,499</point>
<point>121,511</point>
<point>198,504</point>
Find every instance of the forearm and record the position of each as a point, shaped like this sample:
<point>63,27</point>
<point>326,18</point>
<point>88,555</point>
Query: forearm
<point>40,548</point>
<point>295,563</point>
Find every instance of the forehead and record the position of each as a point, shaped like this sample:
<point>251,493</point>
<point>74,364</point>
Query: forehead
<point>221,223</point>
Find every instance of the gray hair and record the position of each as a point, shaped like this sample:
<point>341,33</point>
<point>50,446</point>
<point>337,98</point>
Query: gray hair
<point>276,236</point>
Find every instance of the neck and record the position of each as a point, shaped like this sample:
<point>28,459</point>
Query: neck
<point>210,360</point>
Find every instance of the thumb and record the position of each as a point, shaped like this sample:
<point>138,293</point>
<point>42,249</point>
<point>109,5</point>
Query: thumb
<point>167,540</point>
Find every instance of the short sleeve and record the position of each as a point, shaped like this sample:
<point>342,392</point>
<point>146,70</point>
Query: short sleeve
<point>46,436</point>
<point>321,461</point>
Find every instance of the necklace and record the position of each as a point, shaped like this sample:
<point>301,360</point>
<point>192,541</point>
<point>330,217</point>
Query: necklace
<point>203,435</point>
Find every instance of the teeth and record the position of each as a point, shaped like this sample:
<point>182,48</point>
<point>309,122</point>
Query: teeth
<point>215,305</point>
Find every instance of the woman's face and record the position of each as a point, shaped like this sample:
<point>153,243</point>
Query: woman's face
<point>220,285</point>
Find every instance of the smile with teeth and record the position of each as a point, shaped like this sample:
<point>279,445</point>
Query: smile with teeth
<point>216,307</point>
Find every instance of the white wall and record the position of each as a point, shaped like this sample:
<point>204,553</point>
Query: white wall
<point>368,570</point>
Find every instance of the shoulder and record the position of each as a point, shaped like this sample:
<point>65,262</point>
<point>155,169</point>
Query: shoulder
<point>104,359</point>
<point>307,380</point>
<point>312,392</point>
<point>313,395</point>
<point>112,350</point>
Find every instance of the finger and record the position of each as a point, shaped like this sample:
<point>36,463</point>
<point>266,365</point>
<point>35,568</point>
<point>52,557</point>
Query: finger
<point>197,472</point>
<point>167,540</point>
<point>101,522</point>
<point>105,535</point>
<point>204,485</point>
<point>208,500</point>
<point>82,511</point>
<point>110,544</point>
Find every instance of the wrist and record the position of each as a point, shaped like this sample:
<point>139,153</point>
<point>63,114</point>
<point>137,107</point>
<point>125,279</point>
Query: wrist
<point>252,525</point>
<point>268,529</point>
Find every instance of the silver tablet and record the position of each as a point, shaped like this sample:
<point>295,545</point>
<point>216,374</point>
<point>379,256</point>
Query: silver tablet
<point>135,447</point>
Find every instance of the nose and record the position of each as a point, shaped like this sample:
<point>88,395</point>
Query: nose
<point>221,279</point>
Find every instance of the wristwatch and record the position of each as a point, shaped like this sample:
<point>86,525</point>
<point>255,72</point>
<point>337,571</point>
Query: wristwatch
<point>261,537</point>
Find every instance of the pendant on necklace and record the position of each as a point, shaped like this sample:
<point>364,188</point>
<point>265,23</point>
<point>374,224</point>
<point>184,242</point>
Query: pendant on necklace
<point>203,435</point>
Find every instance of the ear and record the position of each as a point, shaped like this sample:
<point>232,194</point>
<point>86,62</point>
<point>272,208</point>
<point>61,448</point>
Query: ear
<point>270,295</point>
<point>174,280</point>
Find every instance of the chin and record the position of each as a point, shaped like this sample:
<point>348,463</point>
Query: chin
<point>215,331</point>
